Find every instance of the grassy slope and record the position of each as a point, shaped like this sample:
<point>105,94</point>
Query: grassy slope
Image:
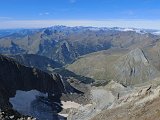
<point>126,68</point>
<point>98,65</point>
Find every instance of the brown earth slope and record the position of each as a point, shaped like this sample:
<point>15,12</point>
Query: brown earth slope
<point>128,68</point>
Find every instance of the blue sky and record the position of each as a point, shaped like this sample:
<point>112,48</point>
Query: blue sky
<point>41,13</point>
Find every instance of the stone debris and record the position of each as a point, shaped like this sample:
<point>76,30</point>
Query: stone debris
<point>13,115</point>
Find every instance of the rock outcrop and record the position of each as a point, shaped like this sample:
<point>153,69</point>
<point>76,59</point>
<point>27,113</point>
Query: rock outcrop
<point>142,103</point>
<point>13,115</point>
<point>101,98</point>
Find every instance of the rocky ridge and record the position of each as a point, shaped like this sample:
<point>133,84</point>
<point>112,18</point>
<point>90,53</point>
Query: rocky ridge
<point>139,102</point>
<point>14,76</point>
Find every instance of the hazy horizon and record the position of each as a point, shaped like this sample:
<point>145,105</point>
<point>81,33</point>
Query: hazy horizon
<point>35,24</point>
<point>114,13</point>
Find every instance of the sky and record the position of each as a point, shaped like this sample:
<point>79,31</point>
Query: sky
<point>98,13</point>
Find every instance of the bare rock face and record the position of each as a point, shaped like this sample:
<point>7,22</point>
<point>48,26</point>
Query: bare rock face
<point>101,98</point>
<point>14,76</point>
<point>134,68</point>
<point>142,103</point>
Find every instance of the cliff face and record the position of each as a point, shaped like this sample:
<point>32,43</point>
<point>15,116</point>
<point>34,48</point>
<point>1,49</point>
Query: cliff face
<point>14,76</point>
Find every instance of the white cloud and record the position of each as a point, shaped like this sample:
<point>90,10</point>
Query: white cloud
<point>40,13</point>
<point>45,13</point>
<point>147,24</point>
<point>72,1</point>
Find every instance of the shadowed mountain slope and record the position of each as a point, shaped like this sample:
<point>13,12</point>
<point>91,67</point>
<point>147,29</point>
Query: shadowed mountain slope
<point>14,76</point>
<point>37,61</point>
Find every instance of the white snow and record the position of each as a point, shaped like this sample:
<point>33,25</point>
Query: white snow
<point>70,104</point>
<point>64,115</point>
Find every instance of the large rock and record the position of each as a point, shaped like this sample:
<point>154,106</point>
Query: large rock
<point>10,114</point>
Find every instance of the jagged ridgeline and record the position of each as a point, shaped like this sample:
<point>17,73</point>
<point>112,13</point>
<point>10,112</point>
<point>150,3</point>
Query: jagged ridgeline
<point>41,90</point>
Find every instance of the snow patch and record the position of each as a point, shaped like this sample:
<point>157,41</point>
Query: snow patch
<point>70,104</point>
<point>64,115</point>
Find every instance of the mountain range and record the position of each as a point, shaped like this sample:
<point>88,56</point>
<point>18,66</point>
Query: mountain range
<point>79,72</point>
